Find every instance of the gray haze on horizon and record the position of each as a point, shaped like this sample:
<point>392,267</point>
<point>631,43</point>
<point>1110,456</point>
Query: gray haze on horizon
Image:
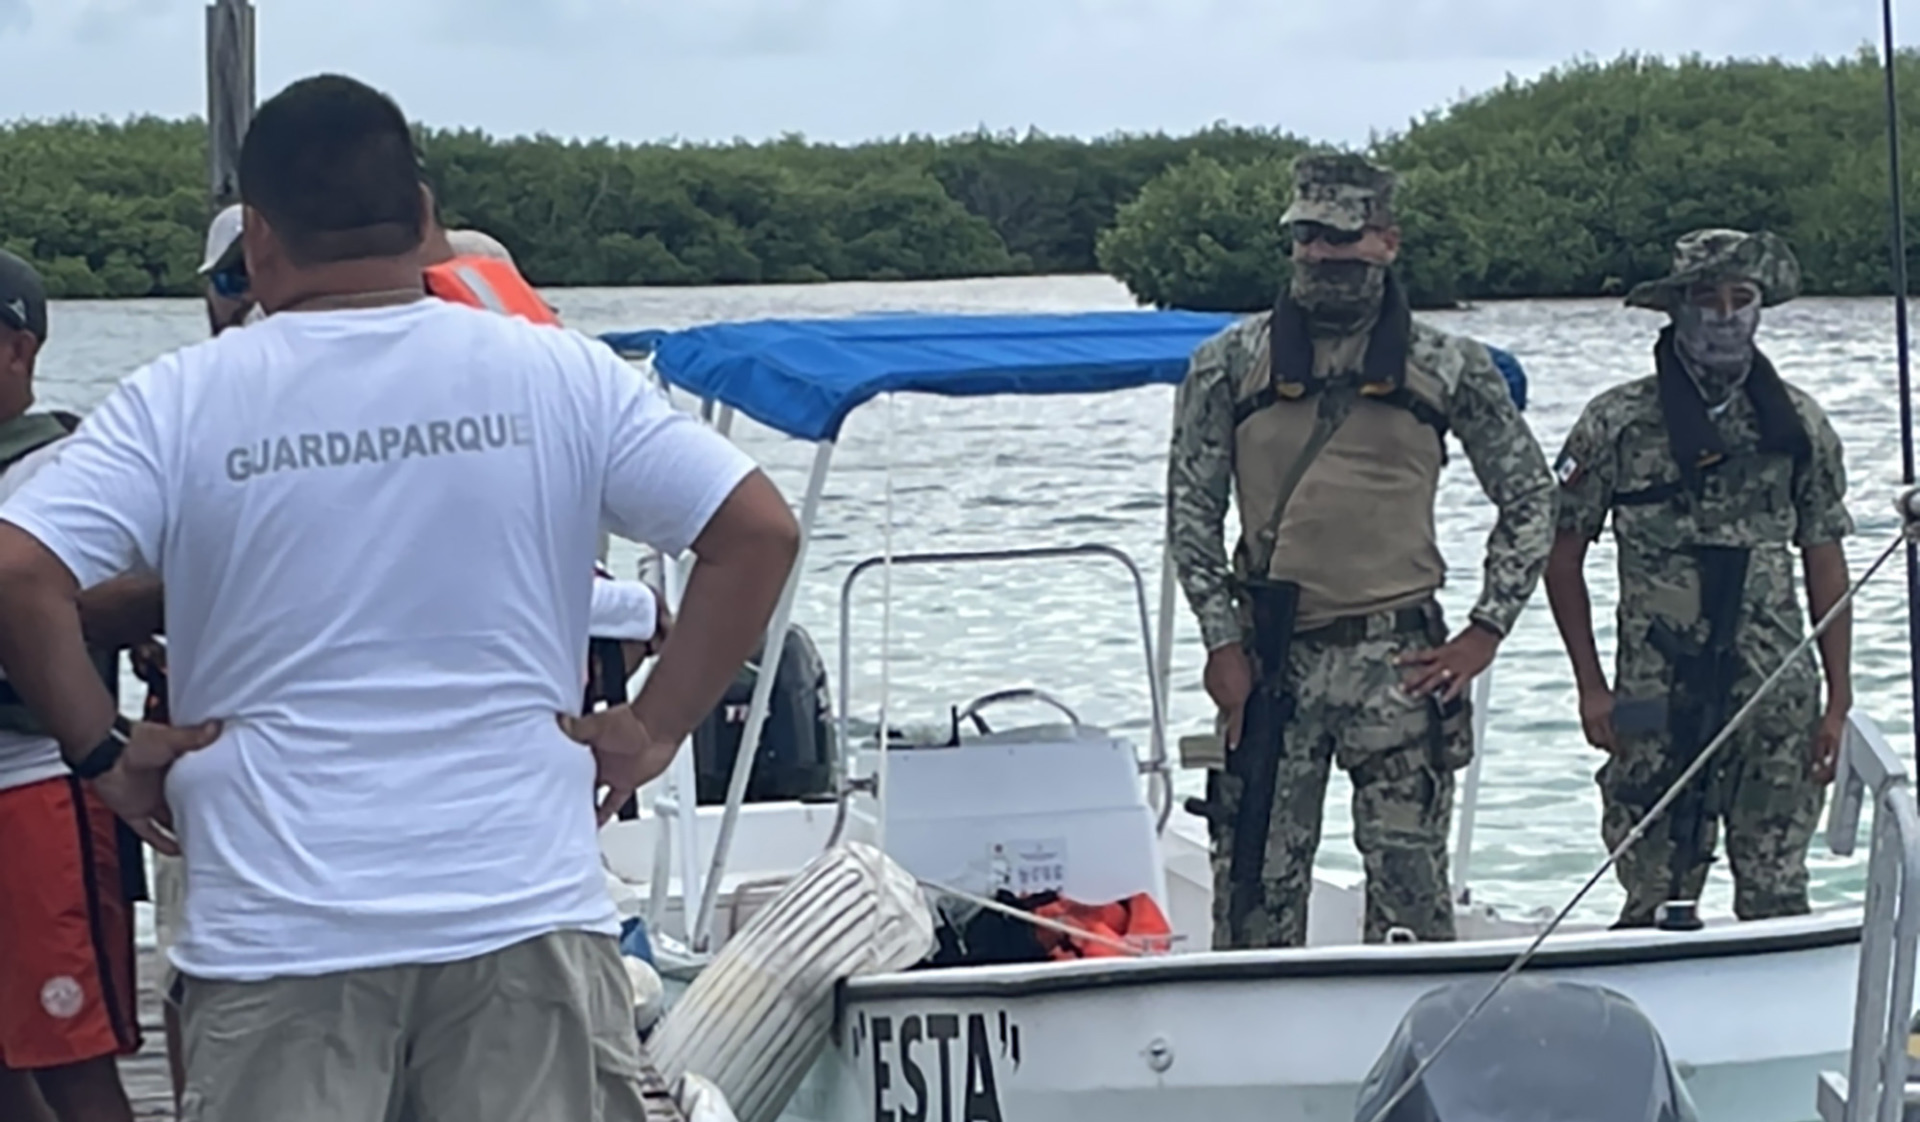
<point>847,70</point>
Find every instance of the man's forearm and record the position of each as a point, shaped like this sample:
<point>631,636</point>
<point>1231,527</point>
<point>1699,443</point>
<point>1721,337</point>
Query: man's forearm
<point>123,611</point>
<point>44,655</point>
<point>723,613</point>
<point>1573,609</point>
<point>1512,473</point>
<point>1517,550</point>
<point>1209,592</point>
<point>1827,578</point>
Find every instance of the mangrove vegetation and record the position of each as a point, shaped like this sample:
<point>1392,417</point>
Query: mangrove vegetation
<point>1572,184</point>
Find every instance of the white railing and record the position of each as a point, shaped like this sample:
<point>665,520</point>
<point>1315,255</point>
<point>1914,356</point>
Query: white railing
<point>1875,1086</point>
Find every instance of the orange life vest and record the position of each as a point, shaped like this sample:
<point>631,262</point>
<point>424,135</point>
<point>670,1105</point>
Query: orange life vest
<point>1135,921</point>
<point>484,282</point>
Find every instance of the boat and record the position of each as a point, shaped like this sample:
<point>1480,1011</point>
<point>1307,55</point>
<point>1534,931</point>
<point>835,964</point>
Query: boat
<point>1756,1016</point>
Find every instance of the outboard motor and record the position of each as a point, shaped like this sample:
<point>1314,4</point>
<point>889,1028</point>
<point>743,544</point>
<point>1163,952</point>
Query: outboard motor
<point>796,746</point>
<point>1543,1050</point>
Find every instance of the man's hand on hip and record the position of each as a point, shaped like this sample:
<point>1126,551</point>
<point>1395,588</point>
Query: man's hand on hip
<point>1451,668</point>
<point>625,754</point>
<point>136,787</point>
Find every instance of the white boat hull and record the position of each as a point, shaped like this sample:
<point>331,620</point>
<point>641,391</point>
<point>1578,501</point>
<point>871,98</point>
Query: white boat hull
<point>1751,1015</point>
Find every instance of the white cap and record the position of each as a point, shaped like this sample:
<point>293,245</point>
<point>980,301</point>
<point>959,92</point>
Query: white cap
<point>223,237</point>
<point>473,243</point>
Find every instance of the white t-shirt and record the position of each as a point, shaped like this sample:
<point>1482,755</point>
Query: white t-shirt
<point>375,529</point>
<point>28,759</point>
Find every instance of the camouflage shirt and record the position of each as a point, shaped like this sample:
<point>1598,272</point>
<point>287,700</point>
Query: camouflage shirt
<point>1620,445</point>
<point>1506,460</point>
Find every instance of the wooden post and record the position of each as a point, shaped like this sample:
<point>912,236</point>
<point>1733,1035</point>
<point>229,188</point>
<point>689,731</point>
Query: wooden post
<point>230,95</point>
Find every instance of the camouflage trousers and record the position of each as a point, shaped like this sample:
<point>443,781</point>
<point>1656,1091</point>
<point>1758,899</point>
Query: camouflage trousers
<point>1349,710</point>
<point>1758,787</point>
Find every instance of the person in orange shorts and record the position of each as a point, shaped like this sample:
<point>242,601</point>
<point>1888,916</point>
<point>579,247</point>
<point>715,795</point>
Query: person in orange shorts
<point>71,870</point>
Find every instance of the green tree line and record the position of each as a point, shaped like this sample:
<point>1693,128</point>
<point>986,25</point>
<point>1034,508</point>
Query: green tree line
<point>119,208</point>
<point>1575,183</point>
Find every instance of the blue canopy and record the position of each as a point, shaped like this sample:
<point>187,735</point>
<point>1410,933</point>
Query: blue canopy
<point>803,377</point>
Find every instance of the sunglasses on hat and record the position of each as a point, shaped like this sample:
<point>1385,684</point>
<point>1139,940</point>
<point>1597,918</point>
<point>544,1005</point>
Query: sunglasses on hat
<point>1306,233</point>
<point>231,283</point>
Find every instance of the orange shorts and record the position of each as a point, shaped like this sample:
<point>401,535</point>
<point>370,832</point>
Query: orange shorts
<point>66,929</point>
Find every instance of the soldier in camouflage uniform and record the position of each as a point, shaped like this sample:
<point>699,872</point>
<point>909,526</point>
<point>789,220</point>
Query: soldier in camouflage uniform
<point>1377,684</point>
<point>1713,449</point>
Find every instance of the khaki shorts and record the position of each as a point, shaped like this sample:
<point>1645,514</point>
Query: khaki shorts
<point>541,1031</point>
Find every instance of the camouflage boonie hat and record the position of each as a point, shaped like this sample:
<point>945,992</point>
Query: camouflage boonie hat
<point>1344,191</point>
<point>1713,256</point>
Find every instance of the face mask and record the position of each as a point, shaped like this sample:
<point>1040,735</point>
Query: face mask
<point>1717,346</point>
<point>1339,296</point>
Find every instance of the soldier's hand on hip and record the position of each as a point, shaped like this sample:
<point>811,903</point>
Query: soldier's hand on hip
<point>1596,717</point>
<point>1447,670</point>
<point>1229,681</point>
<point>1826,745</point>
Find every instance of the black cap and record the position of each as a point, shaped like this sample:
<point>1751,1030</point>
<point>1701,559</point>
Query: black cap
<point>23,297</point>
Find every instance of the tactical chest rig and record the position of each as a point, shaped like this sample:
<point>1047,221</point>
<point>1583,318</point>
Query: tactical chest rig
<point>1386,374</point>
<point>1702,672</point>
<point>19,438</point>
<point>1377,369</point>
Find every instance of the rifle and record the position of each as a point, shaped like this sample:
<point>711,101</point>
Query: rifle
<point>1700,699</point>
<point>1255,761</point>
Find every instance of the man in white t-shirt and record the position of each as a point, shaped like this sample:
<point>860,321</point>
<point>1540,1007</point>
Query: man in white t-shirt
<point>372,512</point>
<point>625,614</point>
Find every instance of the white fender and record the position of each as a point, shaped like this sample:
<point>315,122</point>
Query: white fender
<point>625,900</point>
<point>649,994</point>
<point>759,1015</point>
<point>701,1101</point>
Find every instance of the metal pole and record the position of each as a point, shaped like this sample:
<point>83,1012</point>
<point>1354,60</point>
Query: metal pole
<point>1896,194</point>
<point>230,95</point>
<point>1470,790</point>
<point>761,701</point>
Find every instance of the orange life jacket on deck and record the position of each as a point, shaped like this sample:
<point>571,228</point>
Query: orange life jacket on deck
<point>483,282</point>
<point>1136,921</point>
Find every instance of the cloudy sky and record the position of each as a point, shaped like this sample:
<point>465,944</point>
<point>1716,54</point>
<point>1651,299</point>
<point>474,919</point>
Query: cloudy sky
<point>845,70</point>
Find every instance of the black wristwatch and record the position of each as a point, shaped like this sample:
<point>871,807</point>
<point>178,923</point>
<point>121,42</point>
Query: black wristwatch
<point>107,753</point>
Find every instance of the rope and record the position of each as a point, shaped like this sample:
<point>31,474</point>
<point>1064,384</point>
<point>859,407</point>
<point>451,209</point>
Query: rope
<point>1902,350</point>
<point>1640,827</point>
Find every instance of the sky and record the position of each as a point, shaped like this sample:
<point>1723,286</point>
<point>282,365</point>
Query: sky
<point>841,71</point>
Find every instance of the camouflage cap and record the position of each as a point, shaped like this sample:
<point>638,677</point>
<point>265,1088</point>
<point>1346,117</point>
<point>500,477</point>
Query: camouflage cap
<point>1341,190</point>
<point>1716,255</point>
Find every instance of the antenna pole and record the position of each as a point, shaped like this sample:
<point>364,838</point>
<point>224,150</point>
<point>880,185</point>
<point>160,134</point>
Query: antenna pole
<point>230,93</point>
<point>1888,63</point>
